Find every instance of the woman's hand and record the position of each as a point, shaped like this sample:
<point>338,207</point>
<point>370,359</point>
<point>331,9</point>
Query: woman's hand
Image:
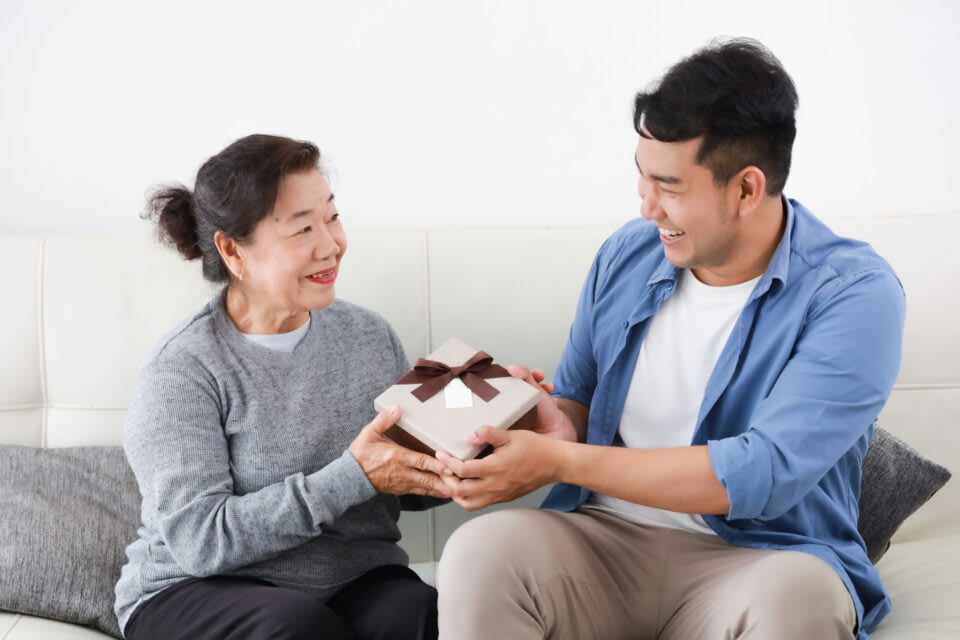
<point>395,469</point>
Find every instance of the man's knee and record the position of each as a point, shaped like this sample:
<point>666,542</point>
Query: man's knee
<point>795,590</point>
<point>488,574</point>
<point>488,546</point>
<point>786,579</point>
<point>497,562</point>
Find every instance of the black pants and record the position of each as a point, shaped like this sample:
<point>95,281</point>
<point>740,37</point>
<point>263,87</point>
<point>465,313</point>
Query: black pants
<point>388,602</point>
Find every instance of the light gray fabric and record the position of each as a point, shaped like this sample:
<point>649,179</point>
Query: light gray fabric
<point>65,517</point>
<point>896,481</point>
<point>240,454</point>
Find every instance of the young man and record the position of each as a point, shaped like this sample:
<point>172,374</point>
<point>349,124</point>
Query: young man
<point>712,407</point>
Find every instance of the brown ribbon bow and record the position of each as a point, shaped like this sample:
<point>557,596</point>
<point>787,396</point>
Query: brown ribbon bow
<point>432,376</point>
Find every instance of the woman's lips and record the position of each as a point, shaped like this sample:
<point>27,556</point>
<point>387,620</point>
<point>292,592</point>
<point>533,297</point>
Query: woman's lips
<point>323,277</point>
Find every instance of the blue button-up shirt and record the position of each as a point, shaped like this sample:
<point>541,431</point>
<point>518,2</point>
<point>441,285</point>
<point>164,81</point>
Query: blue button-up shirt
<point>790,406</point>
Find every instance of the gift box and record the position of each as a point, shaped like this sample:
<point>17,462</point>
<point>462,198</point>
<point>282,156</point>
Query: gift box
<point>451,393</point>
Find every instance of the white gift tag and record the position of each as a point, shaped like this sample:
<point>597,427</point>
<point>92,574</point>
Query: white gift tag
<point>456,395</point>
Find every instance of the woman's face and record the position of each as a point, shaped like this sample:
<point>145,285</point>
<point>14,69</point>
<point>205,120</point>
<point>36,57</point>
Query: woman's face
<point>292,263</point>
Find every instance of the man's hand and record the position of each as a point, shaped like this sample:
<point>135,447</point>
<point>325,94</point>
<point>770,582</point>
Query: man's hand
<point>551,421</point>
<point>521,462</point>
<point>395,469</point>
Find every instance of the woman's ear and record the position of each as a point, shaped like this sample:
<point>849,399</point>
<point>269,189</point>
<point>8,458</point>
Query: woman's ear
<point>230,253</point>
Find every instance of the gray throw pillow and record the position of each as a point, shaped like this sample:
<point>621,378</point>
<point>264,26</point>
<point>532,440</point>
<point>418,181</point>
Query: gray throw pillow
<point>66,516</point>
<point>896,481</point>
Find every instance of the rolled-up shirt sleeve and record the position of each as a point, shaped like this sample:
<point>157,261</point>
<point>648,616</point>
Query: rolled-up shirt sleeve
<point>831,390</point>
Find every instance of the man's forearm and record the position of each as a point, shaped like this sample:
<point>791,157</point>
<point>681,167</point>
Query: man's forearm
<point>578,414</point>
<point>677,479</point>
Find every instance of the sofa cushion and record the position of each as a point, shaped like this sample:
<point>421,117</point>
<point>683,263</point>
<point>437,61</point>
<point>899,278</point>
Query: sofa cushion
<point>66,516</point>
<point>896,481</point>
<point>921,578</point>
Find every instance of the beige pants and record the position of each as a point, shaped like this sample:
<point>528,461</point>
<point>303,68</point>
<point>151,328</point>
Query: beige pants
<point>535,573</point>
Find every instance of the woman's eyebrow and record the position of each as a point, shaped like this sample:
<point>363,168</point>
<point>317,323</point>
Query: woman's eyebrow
<point>299,214</point>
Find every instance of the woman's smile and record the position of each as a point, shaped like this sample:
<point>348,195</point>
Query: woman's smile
<point>323,277</point>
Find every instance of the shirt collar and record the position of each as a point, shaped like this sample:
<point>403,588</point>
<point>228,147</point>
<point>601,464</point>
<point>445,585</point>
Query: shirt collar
<point>667,271</point>
<point>780,262</point>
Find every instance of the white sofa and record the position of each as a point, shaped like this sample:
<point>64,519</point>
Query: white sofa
<point>78,313</point>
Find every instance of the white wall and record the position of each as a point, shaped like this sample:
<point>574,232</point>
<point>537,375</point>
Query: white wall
<point>440,113</point>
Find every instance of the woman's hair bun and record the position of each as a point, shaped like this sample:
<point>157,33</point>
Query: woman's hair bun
<point>172,208</point>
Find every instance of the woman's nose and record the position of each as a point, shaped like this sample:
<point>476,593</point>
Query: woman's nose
<point>326,244</point>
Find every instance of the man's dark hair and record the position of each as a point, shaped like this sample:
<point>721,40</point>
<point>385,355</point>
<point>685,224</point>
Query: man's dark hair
<point>736,95</point>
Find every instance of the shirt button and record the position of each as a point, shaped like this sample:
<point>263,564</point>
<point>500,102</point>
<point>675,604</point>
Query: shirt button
<point>625,324</point>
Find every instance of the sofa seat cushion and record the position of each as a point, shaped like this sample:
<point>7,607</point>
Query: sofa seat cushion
<point>923,580</point>
<point>20,627</point>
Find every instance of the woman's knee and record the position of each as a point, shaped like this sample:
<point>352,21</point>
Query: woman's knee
<point>290,615</point>
<point>411,612</point>
<point>415,597</point>
<point>389,602</point>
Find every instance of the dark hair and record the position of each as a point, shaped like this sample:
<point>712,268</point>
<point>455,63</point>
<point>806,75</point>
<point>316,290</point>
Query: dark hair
<point>235,190</point>
<point>736,95</point>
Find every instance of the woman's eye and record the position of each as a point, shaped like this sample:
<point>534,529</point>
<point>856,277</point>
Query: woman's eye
<point>305,229</point>
<point>335,217</point>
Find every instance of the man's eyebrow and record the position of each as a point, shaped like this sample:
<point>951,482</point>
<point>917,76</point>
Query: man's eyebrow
<point>663,179</point>
<point>300,214</point>
<point>666,179</point>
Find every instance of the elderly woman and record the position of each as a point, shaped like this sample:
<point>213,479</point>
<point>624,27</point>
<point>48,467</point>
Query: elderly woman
<point>269,509</point>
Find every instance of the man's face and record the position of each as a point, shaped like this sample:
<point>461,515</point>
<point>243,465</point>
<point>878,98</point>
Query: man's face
<point>697,225</point>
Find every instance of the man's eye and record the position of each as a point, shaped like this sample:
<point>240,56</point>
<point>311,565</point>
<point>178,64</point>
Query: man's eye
<point>305,230</point>
<point>335,217</point>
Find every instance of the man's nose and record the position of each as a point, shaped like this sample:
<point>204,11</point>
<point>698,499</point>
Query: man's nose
<point>650,206</point>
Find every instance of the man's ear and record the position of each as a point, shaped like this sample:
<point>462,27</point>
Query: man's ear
<point>230,253</point>
<point>750,186</point>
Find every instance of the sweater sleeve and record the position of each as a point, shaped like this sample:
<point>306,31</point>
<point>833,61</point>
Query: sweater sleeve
<point>176,445</point>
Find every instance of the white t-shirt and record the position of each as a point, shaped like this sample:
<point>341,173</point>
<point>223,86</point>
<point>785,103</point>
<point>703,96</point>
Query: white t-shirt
<point>676,358</point>
<point>285,342</point>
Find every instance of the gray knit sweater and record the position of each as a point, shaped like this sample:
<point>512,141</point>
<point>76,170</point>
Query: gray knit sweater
<point>241,455</point>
